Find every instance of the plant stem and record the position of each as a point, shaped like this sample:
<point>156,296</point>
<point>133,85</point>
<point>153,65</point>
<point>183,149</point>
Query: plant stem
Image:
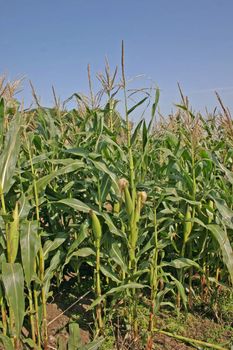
<point>41,255</point>
<point>11,314</point>
<point>98,288</point>
<point>37,318</point>
<point>190,340</point>
<point>154,273</point>
<point>31,310</point>
<point>133,230</point>
<point>153,283</point>
<point>4,317</point>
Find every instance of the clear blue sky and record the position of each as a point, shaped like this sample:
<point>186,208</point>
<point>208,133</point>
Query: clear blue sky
<point>52,41</point>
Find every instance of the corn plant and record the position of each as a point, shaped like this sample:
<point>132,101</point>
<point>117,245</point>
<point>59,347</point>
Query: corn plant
<point>145,210</point>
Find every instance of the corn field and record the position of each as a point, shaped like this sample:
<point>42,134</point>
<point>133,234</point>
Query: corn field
<point>143,211</point>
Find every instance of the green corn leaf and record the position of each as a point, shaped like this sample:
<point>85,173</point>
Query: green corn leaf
<point>76,204</point>
<point>105,187</point>
<point>83,252</point>
<point>80,253</point>
<point>73,166</point>
<point>107,271</point>
<point>144,136</point>
<point>77,151</point>
<point>1,121</point>
<point>61,343</point>
<point>160,297</point>
<point>137,105</point>
<point>30,244</point>
<point>9,154</point>
<point>25,207</point>
<point>74,341</point>
<point>13,280</point>
<point>29,342</point>
<point>111,142</point>
<point>67,163</point>
<point>181,290</point>
<point>38,159</point>
<point>227,253</point>
<point>113,229</point>
<point>49,272</point>
<point>154,106</point>
<point>94,345</point>
<point>227,172</point>
<point>104,169</point>
<point>49,246</point>
<point>149,245</point>
<point>82,234</point>
<point>116,255</point>
<point>135,133</point>
<point>181,263</point>
<point>6,342</point>
<point>117,290</point>
<point>226,213</point>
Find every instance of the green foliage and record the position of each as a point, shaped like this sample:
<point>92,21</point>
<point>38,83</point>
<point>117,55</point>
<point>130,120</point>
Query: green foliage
<point>141,211</point>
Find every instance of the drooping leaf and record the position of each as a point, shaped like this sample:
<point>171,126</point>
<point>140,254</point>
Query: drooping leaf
<point>105,187</point>
<point>181,263</point>
<point>226,213</point>
<point>82,234</point>
<point>76,204</point>
<point>30,244</point>
<point>105,170</point>
<point>13,280</point>
<point>94,345</point>
<point>73,166</point>
<point>181,290</point>
<point>117,290</point>
<point>116,255</point>
<point>83,252</point>
<point>77,151</point>
<point>49,272</point>
<point>227,253</point>
<point>9,156</point>
<point>49,246</point>
<point>107,271</point>
<point>113,229</point>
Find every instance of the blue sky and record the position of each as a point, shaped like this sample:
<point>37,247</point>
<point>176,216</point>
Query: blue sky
<point>169,41</point>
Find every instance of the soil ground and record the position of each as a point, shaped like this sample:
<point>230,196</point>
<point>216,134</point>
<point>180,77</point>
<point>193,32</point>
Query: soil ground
<point>193,326</point>
<point>67,306</point>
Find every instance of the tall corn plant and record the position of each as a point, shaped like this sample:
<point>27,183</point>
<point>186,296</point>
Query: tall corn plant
<point>12,279</point>
<point>151,211</point>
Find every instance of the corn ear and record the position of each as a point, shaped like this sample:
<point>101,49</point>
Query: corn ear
<point>122,183</point>
<point>210,213</point>
<point>116,207</point>
<point>187,224</point>
<point>211,204</point>
<point>143,196</point>
<point>14,235</point>
<point>128,201</point>
<point>96,226</point>
<point>138,208</point>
